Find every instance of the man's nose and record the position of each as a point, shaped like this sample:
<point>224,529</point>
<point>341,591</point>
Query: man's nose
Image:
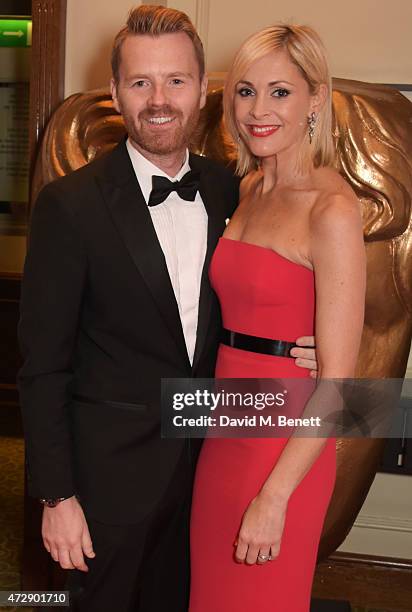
<point>158,95</point>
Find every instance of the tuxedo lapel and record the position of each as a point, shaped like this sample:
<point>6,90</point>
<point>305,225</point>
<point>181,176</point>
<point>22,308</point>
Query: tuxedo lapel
<point>215,207</point>
<point>130,214</point>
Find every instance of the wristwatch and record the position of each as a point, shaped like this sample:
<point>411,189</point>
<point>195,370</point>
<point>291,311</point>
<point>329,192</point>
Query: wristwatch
<point>52,502</point>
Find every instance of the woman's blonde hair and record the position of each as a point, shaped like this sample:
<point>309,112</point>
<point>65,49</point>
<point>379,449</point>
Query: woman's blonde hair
<point>307,52</point>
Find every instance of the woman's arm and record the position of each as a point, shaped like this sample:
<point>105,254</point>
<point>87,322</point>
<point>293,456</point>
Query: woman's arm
<point>338,257</point>
<point>339,261</point>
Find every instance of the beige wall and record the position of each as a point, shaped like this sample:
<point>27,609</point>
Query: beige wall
<point>367,39</point>
<point>409,368</point>
<point>90,29</point>
<point>384,524</point>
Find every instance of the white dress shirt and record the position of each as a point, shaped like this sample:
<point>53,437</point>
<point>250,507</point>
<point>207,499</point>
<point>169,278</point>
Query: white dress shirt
<point>181,229</point>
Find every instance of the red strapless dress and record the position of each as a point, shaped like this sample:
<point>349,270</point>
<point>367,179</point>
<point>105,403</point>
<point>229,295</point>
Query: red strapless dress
<point>263,294</point>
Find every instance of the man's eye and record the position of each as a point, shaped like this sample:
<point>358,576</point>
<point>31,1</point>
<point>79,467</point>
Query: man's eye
<point>245,91</point>
<point>177,82</point>
<point>280,93</point>
<point>140,83</point>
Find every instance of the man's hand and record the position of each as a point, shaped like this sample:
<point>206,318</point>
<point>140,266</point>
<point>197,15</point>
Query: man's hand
<point>66,534</point>
<point>305,357</point>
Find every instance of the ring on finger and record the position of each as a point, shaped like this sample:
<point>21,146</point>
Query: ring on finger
<point>265,558</point>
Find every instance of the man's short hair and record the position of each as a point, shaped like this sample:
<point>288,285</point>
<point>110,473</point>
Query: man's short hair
<point>154,21</point>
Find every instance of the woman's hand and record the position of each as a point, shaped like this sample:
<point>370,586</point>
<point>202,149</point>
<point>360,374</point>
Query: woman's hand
<point>261,530</point>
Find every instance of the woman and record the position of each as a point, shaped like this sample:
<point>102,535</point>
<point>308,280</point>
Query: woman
<point>259,504</point>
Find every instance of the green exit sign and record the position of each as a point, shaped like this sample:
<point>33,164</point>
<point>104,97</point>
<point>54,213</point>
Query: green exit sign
<point>15,32</point>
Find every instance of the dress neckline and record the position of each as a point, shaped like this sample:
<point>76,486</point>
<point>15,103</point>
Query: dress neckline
<point>258,246</point>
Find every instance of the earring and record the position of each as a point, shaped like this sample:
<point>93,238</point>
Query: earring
<point>312,125</point>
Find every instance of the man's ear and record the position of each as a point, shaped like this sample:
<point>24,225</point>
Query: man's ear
<point>113,91</point>
<point>203,90</point>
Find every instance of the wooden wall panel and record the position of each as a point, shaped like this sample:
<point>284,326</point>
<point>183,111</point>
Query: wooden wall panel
<point>380,583</point>
<point>47,66</point>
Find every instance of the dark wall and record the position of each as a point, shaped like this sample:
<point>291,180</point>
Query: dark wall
<point>15,7</point>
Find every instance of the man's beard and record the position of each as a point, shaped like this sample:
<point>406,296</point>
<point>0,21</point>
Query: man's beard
<point>174,138</point>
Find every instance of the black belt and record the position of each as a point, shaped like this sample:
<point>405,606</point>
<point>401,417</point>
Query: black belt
<point>277,348</point>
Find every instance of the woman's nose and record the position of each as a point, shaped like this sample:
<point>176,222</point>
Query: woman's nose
<point>260,107</point>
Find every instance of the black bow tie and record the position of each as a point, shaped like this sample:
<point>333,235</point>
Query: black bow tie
<point>186,188</point>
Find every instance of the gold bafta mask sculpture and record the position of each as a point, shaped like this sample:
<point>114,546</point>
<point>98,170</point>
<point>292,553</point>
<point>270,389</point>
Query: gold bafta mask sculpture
<point>373,133</point>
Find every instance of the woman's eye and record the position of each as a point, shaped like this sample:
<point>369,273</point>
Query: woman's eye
<point>280,93</point>
<point>245,91</point>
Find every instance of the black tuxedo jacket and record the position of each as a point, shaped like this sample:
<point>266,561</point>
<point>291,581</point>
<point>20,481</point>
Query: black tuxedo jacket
<point>99,328</point>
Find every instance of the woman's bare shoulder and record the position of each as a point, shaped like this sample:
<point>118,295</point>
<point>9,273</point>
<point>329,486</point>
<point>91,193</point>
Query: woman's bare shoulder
<point>336,207</point>
<point>334,194</point>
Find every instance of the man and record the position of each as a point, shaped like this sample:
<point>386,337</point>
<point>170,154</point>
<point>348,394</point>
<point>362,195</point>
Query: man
<point>116,296</point>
